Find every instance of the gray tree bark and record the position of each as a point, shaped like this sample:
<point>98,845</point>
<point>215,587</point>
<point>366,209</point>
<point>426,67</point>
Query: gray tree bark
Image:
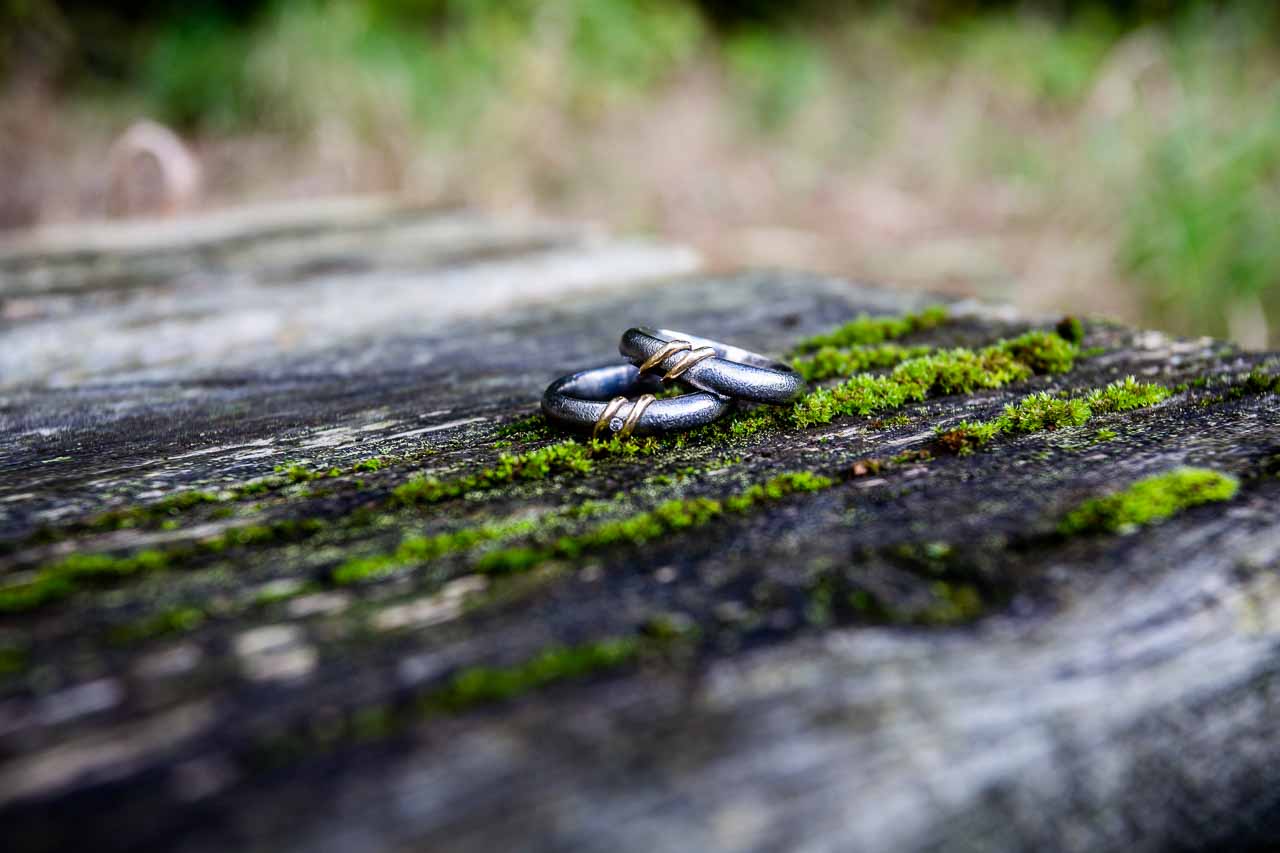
<point>1011,688</point>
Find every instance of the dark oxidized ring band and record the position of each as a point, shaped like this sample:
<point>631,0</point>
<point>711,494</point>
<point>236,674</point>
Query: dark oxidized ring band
<point>617,400</point>
<point>711,366</point>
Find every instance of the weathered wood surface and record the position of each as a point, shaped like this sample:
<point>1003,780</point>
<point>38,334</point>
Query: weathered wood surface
<point>1106,692</point>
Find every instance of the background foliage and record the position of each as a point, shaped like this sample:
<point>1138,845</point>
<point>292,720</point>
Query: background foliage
<point>1119,156</point>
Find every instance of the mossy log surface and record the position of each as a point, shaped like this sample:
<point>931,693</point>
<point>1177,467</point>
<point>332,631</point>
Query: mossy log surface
<point>288,561</point>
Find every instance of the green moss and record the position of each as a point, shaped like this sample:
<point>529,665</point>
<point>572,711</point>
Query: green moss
<point>955,371</point>
<point>1259,381</point>
<point>1041,352</point>
<point>1070,329</point>
<point>1104,434</point>
<point>164,513</point>
<point>755,422</point>
<point>13,659</point>
<point>670,626</point>
<point>1150,500</point>
<point>567,455</point>
<point>953,604</point>
<point>865,330</point>
<point>468,689</point>
<point>820,605</point>
<point>415,550</point>
<point>175,621</point>
<point>830,361</point>
<point>512,560</point>
<point>663,520</point>
<point>777,488</point>
<point>890,423</point>
<point>482,684</point>
<point>953,586</point>
<point>529,428</point>
<point>53,581</point>
<point>908,457</point>
<point>160,511</point>
<point>282,590</point>
<point>60,579</point>
<point>1125,395</point>
<point>372,723</point>
<point>1041,411</point>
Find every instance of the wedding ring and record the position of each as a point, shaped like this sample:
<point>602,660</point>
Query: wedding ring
<point>617,400</point>
<point>711,366</point>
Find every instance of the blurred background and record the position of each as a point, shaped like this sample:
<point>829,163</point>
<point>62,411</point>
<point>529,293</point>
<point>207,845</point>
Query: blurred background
<point>1116,157</point>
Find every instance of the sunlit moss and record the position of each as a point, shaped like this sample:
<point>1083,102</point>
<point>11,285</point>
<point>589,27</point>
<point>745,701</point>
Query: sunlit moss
<point>865,330</point>
<point>954,371</point>
<point>830,361</point>
<point>1042,411</point>
<point>565,456</point>
<point>1125,395</point>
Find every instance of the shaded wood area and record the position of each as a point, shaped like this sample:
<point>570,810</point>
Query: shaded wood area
<point>289,562</point>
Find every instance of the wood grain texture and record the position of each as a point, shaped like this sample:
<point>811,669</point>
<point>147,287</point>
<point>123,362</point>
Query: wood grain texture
<point>1098,692</point>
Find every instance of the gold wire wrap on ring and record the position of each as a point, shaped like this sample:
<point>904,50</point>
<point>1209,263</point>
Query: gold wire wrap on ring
<point>607,415</point>
<point>687,361</point>
<point>614,406</point>
<point>669,348</point>
<point>637,409</point>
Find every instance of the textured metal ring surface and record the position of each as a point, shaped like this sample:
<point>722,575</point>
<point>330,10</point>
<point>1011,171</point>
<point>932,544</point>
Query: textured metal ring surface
<point>617,400</point>
<point>711,366</point>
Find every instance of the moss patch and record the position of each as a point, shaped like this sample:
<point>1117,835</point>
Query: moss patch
<point>162,510</point>
<point>1149,500</point>
<point>482,684</point>
<point>414,550</point>
<point>174,621</point>
<point>665,519</point>
<point>13,659</point>
<point>830,361</point>
<point>59,579</point>
<point>1042,411</point>
<point>165,512</point>
<point>865,330</point>
<point>955,371</point>
<point>1070,329</point>
<point>531,428</point>
<point>568,456</point>
<point>927,584</point>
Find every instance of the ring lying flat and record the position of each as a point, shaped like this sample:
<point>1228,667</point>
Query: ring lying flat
<point>711,366</point>
<point>599,400</point>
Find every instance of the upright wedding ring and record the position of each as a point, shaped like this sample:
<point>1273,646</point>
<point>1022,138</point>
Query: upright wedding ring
<point>711,366</point>
<point>599,400</point>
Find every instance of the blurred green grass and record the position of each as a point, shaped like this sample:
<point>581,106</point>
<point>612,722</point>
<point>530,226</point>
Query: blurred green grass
<point>1150,129</point>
